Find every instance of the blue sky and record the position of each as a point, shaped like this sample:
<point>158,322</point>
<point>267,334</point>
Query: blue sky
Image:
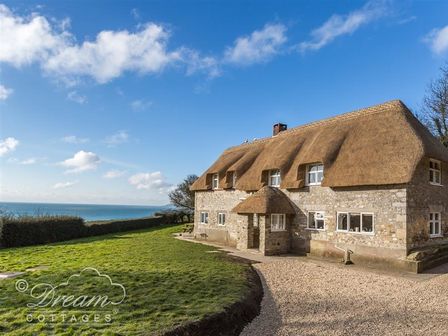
<point>117,101</point>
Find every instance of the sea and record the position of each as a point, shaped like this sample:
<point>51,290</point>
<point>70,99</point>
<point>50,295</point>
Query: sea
<point>90,212</point>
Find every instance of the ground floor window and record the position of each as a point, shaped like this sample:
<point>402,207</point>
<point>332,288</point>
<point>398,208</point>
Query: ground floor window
<point>316,220</point>
<point>435,224</point>
<point>221,218</point>
<point>278,222</point>
<point>359,222</point>
<point>204,217</point>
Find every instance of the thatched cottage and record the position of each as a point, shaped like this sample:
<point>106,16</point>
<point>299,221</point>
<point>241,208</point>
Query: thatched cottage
<point>374,181</point>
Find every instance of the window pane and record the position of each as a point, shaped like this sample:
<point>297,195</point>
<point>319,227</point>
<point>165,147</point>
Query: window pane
<point>314,168</point>
<point>320,224</point>
<point>355,222</point>
<point>320,176</point>
<point>342,222</point>
<point>312,178</point>
<point>311,222</point>
<point>367,223</point>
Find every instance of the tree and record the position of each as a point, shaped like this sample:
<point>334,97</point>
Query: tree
<point>182,197</point>
<point>435,107</point>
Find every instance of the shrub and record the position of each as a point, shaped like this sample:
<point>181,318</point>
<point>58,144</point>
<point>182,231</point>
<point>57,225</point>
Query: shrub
<point>104,227</point>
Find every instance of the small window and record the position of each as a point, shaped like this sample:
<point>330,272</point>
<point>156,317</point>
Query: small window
<point>435,172</point>
<point>275,178</point>
<point>221,218</point>
<point>215,181</point>
<point>278,222</point>
<point>233,179</point>
<point>316,220</point>
<point>435,224</point>
<point>315,174</point>
<point>204,217</point>
<point>355,222</point>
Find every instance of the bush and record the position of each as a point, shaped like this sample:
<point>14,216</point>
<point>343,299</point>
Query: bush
<point>34,230</point>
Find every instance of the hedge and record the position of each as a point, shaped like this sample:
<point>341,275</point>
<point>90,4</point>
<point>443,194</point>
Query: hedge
<point>33,230</point>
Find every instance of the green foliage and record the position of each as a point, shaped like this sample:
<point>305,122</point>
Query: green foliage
<point>168,282</point>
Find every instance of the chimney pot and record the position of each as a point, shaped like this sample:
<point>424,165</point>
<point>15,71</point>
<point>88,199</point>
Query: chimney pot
<point>279,127</point>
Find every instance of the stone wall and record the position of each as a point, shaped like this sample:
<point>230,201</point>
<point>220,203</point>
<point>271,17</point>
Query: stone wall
<point>424,198</point>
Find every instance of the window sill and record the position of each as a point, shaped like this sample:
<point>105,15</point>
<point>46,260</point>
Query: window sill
<point>278,230</point>
<point>312,184</point>
<point>312,229</point>
<point>435,236</point>
<point>436,184</point>
<point>357,233</point>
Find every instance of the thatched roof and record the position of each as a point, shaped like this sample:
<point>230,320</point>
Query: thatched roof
<point>379,145</point>
<point>267,200</point>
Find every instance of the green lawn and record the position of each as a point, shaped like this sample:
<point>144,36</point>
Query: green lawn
<point>167,282</point>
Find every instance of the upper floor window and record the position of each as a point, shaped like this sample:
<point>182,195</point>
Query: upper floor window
<point>232,178</point>
<point>275,178</point>
<point>221,218</point>
<point>278,222</point>
<point>204,217</point>
<point>355,222</point>
<point>316,220</point>
<point>435,224</point>
<point>315,174</point>
<point>215,181</point>
<point>435,172</point>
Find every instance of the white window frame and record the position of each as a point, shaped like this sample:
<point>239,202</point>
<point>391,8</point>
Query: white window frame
<point>308,173</point>
<point>221,216</point>
<point>203,220</point>
<point>435,172</point>
<point>433,222</point>
<point>361,222</point>
<point>275,178</point>
<point>215,181</point>
<point>322,214</point>
<point>278,225</point>
<point>233,178</point>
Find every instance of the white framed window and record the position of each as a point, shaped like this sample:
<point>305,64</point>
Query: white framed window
<point>435,229</point>
<point>316,220</point>
<point>275,178</point>
<point>204,217</point>
<point>435,172</point>
<point>355,222</point>
<point>221,218</point>
<point>278,222</point>
<point>215,181</point>
<point>315,174</point>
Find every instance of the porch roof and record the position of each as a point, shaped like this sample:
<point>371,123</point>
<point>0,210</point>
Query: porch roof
<point>267,200</point>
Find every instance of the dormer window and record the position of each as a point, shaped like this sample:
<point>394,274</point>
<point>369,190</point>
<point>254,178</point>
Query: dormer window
<point>275,178</point>
<point>215,181</point>
<point>315,174</point>
<point>435,172</point>
<point>233,179</point>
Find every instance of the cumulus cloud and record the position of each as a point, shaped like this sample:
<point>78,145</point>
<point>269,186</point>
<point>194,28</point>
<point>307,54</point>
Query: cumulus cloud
<point>150,181</point>
<point>140,105</point>
<point>73,139</point>
<point>35,39</point>
<point>81,161</point>
<point>111,174</point>
<point>116,139</point>
<point>259,46</point>
<point>338,25</point>
<point>62,185</point>
<point>8,145</point>
<point>438,40</point>
<point>5,92</point>
<point>76,97</point>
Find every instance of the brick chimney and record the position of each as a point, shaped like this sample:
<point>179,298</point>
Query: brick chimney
<point>279,128</point>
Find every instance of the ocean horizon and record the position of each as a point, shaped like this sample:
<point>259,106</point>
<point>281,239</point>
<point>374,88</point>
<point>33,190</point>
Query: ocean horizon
<point>89,212</point>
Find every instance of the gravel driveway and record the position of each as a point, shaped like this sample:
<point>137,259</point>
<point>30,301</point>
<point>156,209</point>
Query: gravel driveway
<point>315,298</point>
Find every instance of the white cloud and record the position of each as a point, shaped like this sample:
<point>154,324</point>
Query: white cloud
<point>8,145</point>
<point>81,161</point>
<point>62,185</point>
<point>111,174</point>
<point>29,161</point>
<point>76,97</point>
<point>140,105</point>
<point>150,181</point>
<point>135,14</point>
<point>438,40</point>
<point>260,46</point>
<point>117,138</point>
<point>24,40</point>
<point>5,92</point>
<point>338,25</point>
<point>73,139</point>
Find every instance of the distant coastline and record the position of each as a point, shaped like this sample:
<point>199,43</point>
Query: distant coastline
<point>89,212</point>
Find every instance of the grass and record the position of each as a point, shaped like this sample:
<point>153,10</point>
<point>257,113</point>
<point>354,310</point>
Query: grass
<point>167,282</point>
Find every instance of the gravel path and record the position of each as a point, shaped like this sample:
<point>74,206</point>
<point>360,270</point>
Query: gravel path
<point>313,298</point>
